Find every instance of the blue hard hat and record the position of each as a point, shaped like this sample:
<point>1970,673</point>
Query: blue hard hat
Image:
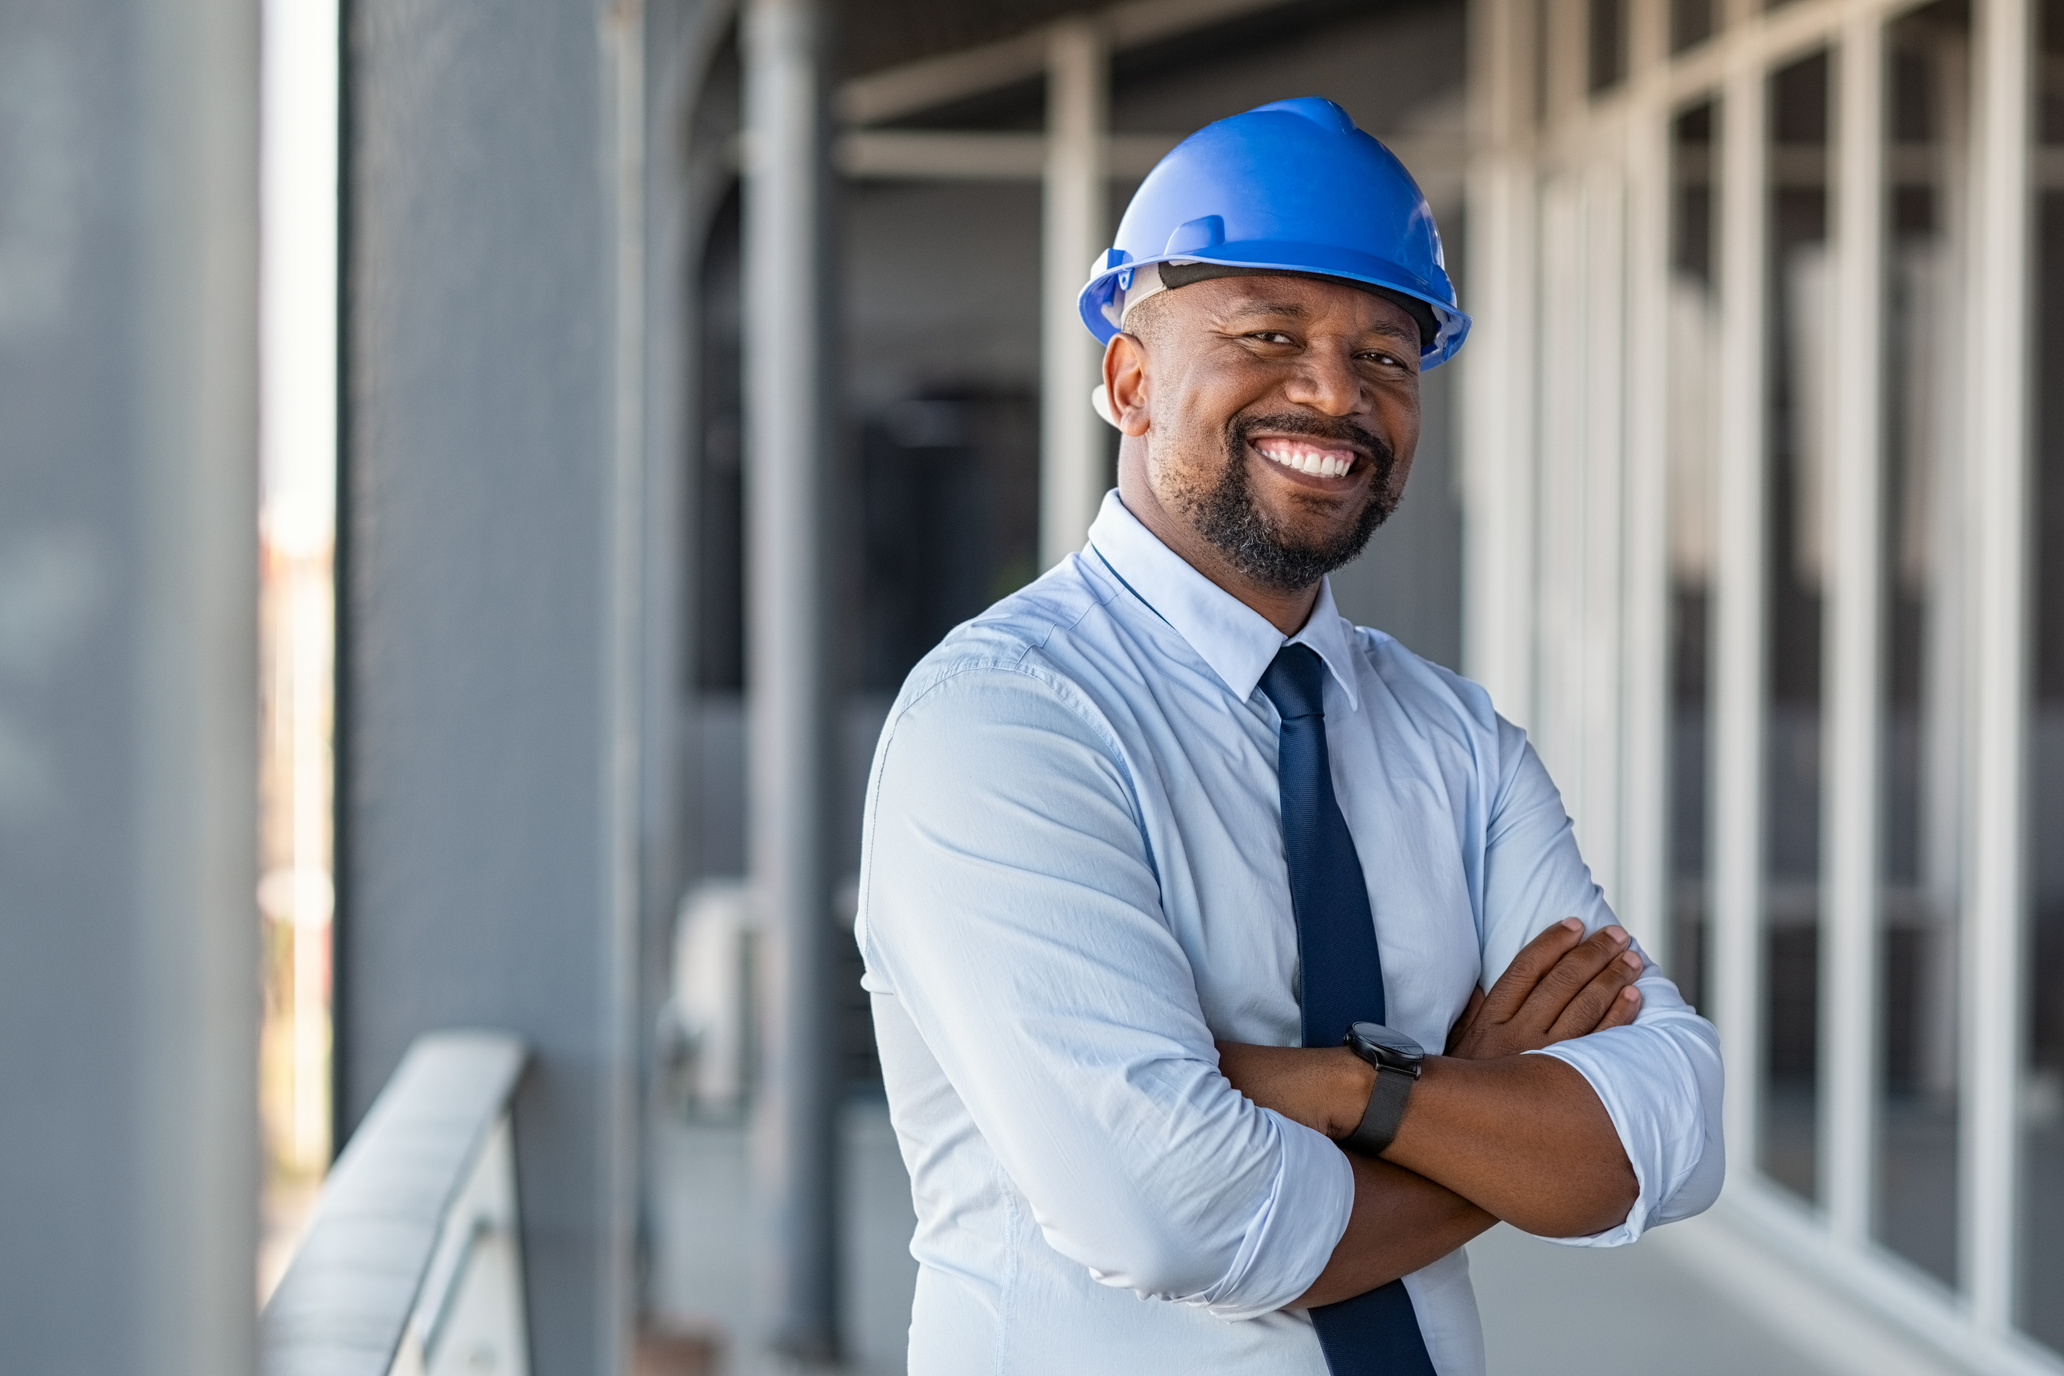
<point>1294,186</point>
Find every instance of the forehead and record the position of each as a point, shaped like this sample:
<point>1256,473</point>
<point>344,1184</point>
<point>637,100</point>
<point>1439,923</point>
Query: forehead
<point>1303,299</point>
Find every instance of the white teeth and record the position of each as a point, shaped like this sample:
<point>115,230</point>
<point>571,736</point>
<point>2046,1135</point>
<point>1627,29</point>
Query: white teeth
<point>1306,460</point>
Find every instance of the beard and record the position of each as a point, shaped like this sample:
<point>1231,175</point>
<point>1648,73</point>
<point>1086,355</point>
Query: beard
<point>1227,515</point>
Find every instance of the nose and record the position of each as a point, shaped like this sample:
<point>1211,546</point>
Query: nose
<point>1327,382</point>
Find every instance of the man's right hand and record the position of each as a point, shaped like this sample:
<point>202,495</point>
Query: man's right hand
<point>1562,985</point>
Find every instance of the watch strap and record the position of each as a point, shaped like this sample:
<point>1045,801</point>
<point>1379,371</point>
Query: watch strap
<point>1385,1111</point>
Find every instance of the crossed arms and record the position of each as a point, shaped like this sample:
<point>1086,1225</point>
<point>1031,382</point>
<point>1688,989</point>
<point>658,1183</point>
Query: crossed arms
<point>1018,928</point>
<point>1489,1133</point>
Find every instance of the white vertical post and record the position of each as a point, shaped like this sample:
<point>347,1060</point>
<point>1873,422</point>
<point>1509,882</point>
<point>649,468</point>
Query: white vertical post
<point>1852,654</point>
<point>1565,59</point>
<point>1645,765</point>
<point>1564,501</point>
<point>1072,440</point>
<point>1738,637</point>
<point>1496,418</point>
<point>785,387</point>
<point>1599,823</point>
<point>1999,341</point>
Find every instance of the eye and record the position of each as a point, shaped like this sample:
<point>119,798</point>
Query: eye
<point>1270,337</point>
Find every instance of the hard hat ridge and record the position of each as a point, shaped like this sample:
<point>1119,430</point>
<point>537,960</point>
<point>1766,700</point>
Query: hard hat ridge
<point>1294,186</point>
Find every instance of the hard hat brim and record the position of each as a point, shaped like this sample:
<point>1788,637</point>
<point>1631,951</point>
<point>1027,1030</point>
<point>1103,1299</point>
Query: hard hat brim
<point>1304,260</point>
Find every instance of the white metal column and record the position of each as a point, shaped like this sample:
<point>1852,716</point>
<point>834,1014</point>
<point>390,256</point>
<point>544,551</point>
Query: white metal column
<point>1562,506</point>
<point>1738,684</point>
<point>1603,555</point>
<point>1644,898</point>
<point>1497,415</point>
<point>786,424</point>
<point>1072,440</point>
<point>1999,338</point>
<point>1561,365</point>
<point>1851,805</point>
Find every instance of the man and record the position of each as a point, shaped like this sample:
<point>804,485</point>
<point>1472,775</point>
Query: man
<point>1150,839</point>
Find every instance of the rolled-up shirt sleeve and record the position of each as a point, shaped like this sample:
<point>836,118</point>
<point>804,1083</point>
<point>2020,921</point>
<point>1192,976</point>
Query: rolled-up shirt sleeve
<point>1659,1078</point>
<point>1009,903</point>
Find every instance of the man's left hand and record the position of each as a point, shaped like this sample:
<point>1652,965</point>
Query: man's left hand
<point>1563,984</point>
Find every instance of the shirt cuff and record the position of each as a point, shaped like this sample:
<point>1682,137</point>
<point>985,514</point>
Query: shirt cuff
<point>1648,1077</point>
<point>1290,1240</point>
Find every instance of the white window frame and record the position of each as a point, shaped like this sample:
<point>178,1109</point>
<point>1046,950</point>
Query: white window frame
<point>1565,609</point>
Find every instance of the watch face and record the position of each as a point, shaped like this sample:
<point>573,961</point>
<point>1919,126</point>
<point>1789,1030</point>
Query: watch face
<point>1386,1042</point>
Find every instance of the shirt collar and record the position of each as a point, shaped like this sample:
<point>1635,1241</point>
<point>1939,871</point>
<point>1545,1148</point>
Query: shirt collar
<point>1237,642</point>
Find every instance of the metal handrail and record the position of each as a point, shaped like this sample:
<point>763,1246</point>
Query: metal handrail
<point>414,1236</point>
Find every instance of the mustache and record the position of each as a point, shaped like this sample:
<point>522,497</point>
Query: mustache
<point>1337,430</point>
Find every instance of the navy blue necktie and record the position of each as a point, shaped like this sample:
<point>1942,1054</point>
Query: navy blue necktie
<point>1375,1333</point>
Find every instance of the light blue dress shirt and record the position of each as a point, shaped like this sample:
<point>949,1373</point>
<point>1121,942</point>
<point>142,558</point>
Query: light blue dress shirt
<point>1073,882</point>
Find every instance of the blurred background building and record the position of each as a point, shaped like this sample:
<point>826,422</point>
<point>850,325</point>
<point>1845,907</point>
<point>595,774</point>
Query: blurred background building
<point>473,479</point>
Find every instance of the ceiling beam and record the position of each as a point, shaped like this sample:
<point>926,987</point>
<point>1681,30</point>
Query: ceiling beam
<point>913,87</point>
<point>929,155</point>
<point>1435,160</point>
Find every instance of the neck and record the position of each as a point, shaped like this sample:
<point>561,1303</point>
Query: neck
<point>1286,611</point>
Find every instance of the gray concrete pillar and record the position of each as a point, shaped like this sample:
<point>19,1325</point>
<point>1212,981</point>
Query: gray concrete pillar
<point>492,595</point>
<point>128,677</point>
<point>787,309</point>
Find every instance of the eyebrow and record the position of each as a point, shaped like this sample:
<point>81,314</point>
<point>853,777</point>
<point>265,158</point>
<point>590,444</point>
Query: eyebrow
<point>1262,305</point>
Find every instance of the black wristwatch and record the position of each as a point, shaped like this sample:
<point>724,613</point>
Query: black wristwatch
<point>1397,1060</point>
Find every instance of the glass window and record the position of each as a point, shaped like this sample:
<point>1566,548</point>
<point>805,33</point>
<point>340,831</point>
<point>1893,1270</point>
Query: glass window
<point>1693,430</point>
<point>1796,547</point>
<point>1608,56</point>
<point>1927,57</point>
<point>1691,22</point>
<point>2041,1221</point>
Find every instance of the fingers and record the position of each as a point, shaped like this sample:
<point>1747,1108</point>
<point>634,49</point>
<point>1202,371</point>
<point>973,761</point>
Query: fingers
<point>1625,1008</point>
<point>1600,999</point>
<point>1554,992</point>
<point>1534,960</point>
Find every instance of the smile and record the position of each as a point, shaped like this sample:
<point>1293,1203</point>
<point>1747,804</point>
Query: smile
<point>1305,457</point>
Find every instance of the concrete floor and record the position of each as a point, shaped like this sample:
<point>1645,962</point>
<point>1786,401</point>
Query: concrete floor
<point>1580,1311</point>
<point>1691,1300</point>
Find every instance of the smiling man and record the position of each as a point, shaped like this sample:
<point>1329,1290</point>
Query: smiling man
<point>1175,882</point>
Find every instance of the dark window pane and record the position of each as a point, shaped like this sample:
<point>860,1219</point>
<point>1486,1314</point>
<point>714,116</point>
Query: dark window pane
<point>1795,576</point>
<point>1692,433</point>
<point>1608,56</point>
<point>720,496</point>
<point>1927,57</point>
<point>2041,1206</point>
<point>1691,22</point>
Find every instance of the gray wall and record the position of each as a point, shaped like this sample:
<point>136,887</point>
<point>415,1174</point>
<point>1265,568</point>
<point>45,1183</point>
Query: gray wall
<point>492,491</point>
<point>128,719</point>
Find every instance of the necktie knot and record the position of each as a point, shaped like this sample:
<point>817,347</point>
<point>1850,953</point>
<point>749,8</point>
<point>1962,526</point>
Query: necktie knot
<point>1296,682</point>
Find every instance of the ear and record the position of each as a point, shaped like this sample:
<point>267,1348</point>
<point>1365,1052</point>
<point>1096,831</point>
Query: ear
<point>1125,383</point>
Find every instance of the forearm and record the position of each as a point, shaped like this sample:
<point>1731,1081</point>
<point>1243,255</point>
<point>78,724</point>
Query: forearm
<point>1524,1137</point>
<point>1401,1222</point>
